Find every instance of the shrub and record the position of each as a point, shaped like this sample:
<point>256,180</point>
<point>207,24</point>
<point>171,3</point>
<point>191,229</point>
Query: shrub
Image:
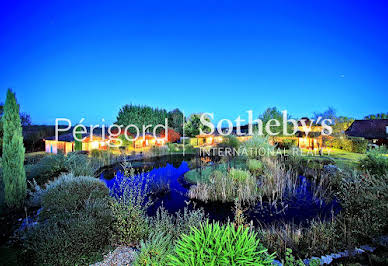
<point>69,194</point>
<point>155,250</point>
<point>375,163</point>
<point>130,222</point>
<point>70,240</point>
<point>258,146</point>
<point>239,175</point>
<point>178,224</point>
<point>351,144</point>
<point>47,168</point>
<point>212,244</point>
<point>80,165</point>
<point>364,201</point>
<point>255,166</point>
<point>284,143</point>
<point>231,142</point>
<point>74,223</point>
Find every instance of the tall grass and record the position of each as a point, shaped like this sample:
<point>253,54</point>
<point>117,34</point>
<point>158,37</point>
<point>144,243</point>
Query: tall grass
<point>234,185</point>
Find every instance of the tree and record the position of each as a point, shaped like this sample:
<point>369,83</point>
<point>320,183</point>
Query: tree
<point>140,116</point>
<point>193,125</point>
<point>14,175</point>
<point>330,113</point>
<point>175,120</point>
<point>274,113</point>
<point>342,123</point>
<point>77,143</point>
<point>377,116</point>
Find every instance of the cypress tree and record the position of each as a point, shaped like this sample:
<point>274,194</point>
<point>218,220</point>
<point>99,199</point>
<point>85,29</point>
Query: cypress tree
<point>14,175</point>
<point>78,135</point>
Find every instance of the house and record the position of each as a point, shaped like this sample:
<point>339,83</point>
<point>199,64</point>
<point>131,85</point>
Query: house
<point>313,140</point>
<point>375,130</point>
<point>65,143</point>
<point>206,140</point>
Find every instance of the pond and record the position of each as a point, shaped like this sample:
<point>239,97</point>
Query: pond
<point>171,169</point>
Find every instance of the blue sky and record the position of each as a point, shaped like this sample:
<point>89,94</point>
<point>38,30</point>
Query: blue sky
<point>86,59</point>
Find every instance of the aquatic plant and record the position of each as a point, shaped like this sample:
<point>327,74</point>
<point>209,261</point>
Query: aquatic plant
<point>175,225</point>
<point>226,187</point>
<point>214,244</point>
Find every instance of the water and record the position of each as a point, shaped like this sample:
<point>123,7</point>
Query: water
<point>299,209</point>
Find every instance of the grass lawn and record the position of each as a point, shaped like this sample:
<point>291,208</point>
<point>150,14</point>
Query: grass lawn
<point>343,159</point>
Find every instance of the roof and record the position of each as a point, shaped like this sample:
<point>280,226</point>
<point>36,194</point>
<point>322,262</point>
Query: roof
<point>369,129</point>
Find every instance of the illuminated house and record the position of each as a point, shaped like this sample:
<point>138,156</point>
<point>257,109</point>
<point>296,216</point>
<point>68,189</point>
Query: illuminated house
<point>314,138</point>
<point>206,140</point>
<point>65,143</point>
<point>148,140</point>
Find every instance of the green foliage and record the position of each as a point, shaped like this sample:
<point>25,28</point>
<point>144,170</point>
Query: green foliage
<point>68,194</point>
<point>284,143</point>
<point>351,144</point>
<point>212,244</point>
<point>175,120</point>
<point>314,239</point>
<point>178,224</point>
<point>364,200</point>
<point>77,143</point>
<point>255,166</point>
<point>239,175</point>
<point>193,125</point>
<point>53,165</point>
<point>377,116</point>
<point>375,163</point>
<point>74,224</point>
<point>140,116</point>
<point>14,176</point>
<point>130,221</point>
<point>231,142</point>
<point>155,250</point>
<point>274,113</point>
<point>258,146</point>
<point>236,185</point>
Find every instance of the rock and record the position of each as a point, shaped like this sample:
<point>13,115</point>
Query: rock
<point>120,256</point>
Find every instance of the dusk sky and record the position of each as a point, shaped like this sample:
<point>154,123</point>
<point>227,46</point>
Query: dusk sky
<point>86,59</point>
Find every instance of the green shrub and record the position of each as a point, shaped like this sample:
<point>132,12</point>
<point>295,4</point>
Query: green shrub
<point>130,221</point>
<point>47,168</point>
<point>255,166</point>
<point>364,200</point>
<point>375,163</point>
<point>258,146</point>
<point>155,250</point>
<point>178,224</point>
<point>239,175</point>
<point>80,165</point>
<point>212,244</point>
<point>351,144</point>
<point>74,223</point>
<point>284,143</point>
<point>231,142</point>
<point>69,194</point>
